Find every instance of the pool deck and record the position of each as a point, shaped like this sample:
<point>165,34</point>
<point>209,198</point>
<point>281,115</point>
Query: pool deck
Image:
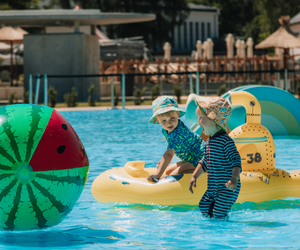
<point>108,108</point>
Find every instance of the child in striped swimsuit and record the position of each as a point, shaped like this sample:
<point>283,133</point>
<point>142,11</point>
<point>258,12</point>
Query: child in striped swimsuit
<point>182,142</point>
<point>221,160</point>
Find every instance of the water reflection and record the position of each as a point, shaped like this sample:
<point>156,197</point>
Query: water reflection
<point>67,238</point>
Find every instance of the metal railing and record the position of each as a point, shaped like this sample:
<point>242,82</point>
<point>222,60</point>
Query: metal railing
<point>123,75</point>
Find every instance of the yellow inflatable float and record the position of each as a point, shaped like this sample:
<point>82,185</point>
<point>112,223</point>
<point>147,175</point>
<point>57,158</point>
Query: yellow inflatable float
<point>260,180</point>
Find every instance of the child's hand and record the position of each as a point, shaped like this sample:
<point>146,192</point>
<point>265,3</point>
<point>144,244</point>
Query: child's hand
<point>192,184</point>
<point>231,184</point>
<point>152,177</point>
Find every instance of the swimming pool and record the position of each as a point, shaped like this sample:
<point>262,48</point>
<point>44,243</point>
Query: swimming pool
<point>113,137</point>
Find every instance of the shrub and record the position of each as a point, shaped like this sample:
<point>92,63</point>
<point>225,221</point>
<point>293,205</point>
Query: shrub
<point>178,92</point>
<point>26,97</point>
<point>116,96</point>
<point>91,100</point>
<point>21,78</point>
<point>222,90</point>
<point>71,98</point>
<point>238,84</point>
<point>12,98</point>
<point>155,90</point>
<point>298,91</point>
<point>138,93</point>
<point>52,94</point>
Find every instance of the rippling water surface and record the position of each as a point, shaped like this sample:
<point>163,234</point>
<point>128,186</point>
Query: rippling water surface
<point>113,137</point>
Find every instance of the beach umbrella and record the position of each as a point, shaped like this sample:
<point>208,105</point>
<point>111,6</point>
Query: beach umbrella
<point>12,36</point>
<point>282,38</point>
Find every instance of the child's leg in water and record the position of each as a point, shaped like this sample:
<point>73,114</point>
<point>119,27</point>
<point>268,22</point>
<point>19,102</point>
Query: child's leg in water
<point>223,203</point>
<point>206,205</point>
<point>220,206</point>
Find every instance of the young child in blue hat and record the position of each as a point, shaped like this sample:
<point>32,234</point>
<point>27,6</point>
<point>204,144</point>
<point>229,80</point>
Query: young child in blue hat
<point>182,142</point>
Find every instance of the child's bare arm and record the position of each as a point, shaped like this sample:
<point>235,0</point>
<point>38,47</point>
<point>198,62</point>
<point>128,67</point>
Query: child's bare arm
<point>232,183</point>
<point>198,171</point>
<point>163,163</point>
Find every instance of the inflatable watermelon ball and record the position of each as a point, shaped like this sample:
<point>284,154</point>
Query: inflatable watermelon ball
<point>43,167</point>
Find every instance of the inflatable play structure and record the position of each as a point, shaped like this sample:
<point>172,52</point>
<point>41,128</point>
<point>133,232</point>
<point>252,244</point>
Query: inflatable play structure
<point>261,181</point>
<point>43,167</point>
<point>280,110</point>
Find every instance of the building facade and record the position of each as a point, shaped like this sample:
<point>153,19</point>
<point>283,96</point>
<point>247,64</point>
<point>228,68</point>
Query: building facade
<point>201,24</point>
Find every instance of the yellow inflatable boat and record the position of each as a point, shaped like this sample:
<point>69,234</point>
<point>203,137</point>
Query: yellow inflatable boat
<point>260,180</point>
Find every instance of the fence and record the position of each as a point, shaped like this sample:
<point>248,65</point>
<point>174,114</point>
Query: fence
<point>256,63</point>
<point>190,74</point>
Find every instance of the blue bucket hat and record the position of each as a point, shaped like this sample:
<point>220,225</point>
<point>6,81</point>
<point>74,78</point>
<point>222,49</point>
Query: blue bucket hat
<point>164,104</point>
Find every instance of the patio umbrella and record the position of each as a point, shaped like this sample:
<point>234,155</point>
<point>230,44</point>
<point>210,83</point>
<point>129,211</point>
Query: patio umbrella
<point>11,35</point>
<point>282,38</point>
<point>4,47</point>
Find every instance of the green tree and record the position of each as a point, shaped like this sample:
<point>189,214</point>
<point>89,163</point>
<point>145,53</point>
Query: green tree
<point>251,18</point>
<point>64,4</point>
<point>268,12</point>
<point>19,4</point>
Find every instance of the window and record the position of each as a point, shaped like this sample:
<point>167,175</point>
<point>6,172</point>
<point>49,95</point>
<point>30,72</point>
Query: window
<point>178,38</point>
<point>191,36</point>
<point>173,40</point>
<point>202,32</point>
<point>197,31</point>
<point>208,30</point>
<point>184,35</point>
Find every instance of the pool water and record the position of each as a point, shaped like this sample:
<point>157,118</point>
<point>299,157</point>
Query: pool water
<point>113,137</point>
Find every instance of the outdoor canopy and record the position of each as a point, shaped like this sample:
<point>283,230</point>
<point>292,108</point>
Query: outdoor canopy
<point>12,35</point>
<point>283,38</point>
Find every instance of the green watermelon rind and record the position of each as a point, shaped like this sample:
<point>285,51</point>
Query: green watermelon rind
<point>43,201</point>
<point>22,127</point>
<point>32,199</point>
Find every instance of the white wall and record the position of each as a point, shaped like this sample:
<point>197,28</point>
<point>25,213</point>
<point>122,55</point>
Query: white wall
<point>63,54</point>
<point>62,29</point>
<point>200,17</point>
<point>296,51</point>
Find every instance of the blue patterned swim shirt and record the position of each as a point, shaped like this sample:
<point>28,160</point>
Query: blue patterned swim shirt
<point>188,146</point>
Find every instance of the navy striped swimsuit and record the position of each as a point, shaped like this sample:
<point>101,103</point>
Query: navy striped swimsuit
<point>219,160</point>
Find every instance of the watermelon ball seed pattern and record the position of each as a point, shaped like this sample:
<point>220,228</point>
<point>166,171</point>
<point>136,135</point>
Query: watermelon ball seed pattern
<point>61,149</point>
<point>39,186</point>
